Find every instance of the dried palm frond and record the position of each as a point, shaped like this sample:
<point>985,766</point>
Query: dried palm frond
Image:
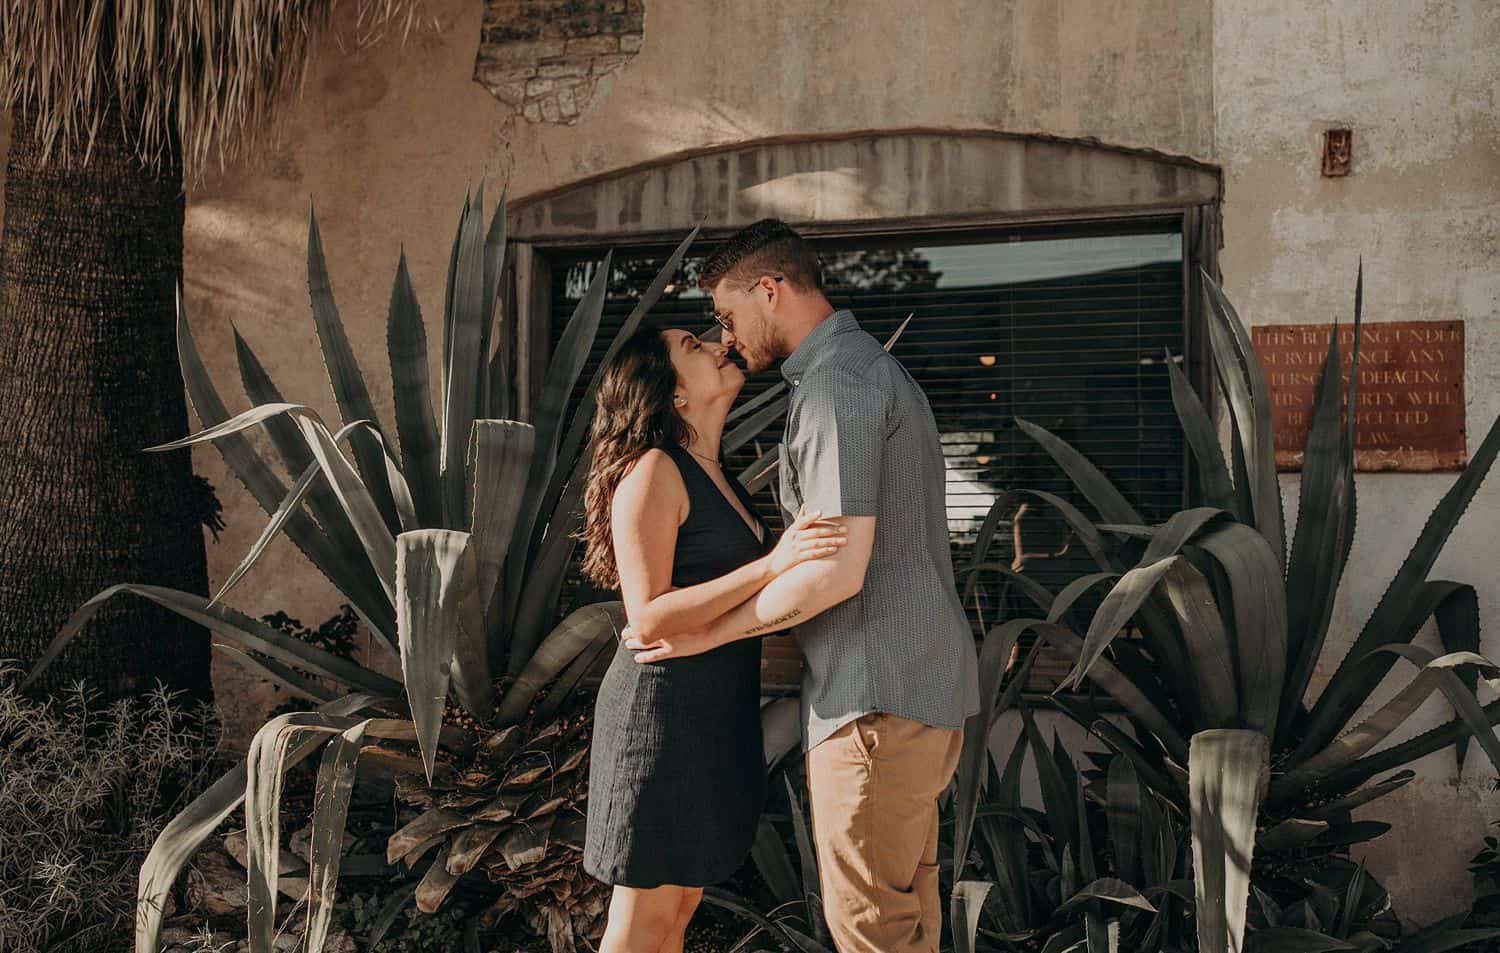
<point>205,75</point>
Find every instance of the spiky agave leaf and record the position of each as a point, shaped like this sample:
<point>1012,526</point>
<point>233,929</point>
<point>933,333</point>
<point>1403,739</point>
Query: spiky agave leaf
<point>1258,602</point>
<point>1242,381</point>
<point>774,863</point>
<point>1324,521</point>
<point>299,490</point>
<point>567,362</point>
<point>572,444</point>
<point>494,383</point>
<point>326,849</point>
<point>1008,836</point>
<point>1340,806</point>
<point>1227,771</point>
<point>464,327</point>
<point>1459,695</point>
<point>1209,647</point>
<point>469,665</point>
<point>1157,630</point>
<point>1109,890</point>
<point>1457,617</point>
<point>296,457</point>
<point>807,858</point>
<point>343,564</point>
<point>1167,777</point>
<point>353,495</point>
<point>995,653</point>
<point>1245,568</point>
<point>193,825</point>
<point>1434,673</point>
<point>427,619</point>
<point>1137,596</point>
<point>266,766</point>
<point>1359,672</point>
<point>406,342</point>
<point>500,453</point>
<point>566,685</point>
<point>968,901</point>
<point>1116,609</point>
<point>582,628</point>
<point>1407,752</point>
<point>1091,482</point>
<point>253,635</point>
<point>1057,794</point>
<point>1121,687</point>
<point>1125,814</point>
<point>283,676</point>
<point>788,937</point>
<point>759,473</point>
<point>1203,439</point>
<point>271,755</point>
<point>348,382</point>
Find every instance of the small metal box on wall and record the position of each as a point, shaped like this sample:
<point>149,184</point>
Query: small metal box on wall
<point>1338,152</point>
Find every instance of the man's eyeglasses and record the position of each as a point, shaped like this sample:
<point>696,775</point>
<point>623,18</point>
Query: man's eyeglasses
<point>727,323</point>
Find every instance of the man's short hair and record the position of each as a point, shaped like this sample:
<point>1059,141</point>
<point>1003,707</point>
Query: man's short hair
<point>768,247</point>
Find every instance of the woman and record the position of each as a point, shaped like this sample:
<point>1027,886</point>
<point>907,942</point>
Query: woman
<point>676,780</point>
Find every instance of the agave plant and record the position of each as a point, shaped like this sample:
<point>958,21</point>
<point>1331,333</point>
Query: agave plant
<point>1343,908</point>
<point>452,545</point>
<point>1231,626</point>
<point>1103,865</point>
<point>793,917</point>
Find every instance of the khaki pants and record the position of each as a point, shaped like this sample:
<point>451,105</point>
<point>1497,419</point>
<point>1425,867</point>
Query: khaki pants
<point>873,788</point>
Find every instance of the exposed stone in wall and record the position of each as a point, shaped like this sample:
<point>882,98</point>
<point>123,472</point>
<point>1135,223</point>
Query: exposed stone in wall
<point>544,57</point>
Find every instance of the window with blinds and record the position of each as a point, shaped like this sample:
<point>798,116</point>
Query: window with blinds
<point>1068,332</point>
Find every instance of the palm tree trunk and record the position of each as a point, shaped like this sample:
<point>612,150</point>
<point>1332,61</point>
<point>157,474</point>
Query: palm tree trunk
<point>90,256</point>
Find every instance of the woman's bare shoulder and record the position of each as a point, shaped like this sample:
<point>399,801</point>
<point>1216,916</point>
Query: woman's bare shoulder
<point>651,480</point>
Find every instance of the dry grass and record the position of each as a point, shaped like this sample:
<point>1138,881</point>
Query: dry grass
<point>84,789</point>
<point>206,73</point>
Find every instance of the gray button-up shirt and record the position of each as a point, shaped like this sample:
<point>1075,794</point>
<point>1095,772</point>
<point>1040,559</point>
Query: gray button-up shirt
<point>861,441</point>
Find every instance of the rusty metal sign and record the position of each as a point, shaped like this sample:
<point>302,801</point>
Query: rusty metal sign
<point>1410,399</point>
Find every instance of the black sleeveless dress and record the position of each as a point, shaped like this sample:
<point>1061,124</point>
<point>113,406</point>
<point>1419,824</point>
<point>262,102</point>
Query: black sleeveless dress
<point>676,777</point>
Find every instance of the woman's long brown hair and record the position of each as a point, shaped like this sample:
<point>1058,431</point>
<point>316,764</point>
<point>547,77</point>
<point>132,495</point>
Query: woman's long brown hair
<point>633,414</point>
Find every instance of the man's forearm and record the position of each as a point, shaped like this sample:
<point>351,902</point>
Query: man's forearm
<point>791,598</point>
<point>693,607</point>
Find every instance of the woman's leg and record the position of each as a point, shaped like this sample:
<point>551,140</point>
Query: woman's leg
<point>685,911</point>
<point>641,919</point>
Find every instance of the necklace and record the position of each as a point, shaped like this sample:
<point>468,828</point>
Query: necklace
<point>700,456</point>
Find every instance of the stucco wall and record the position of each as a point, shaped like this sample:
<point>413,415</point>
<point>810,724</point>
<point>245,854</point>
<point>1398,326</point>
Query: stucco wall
<point>385,141</point>
<point>720,72</point>
<point>1416,82</point>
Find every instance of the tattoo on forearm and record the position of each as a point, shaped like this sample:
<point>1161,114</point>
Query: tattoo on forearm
<point>754,629</point>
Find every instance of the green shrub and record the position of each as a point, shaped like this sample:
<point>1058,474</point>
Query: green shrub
<point>84,789</point>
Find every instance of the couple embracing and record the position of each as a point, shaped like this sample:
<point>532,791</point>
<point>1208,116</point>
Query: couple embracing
<point>676,779</point>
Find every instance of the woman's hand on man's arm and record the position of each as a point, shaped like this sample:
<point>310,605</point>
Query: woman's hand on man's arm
<point>644,544</point>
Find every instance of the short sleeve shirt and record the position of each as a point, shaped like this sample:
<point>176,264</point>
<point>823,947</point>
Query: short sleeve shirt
<point>861,440</point>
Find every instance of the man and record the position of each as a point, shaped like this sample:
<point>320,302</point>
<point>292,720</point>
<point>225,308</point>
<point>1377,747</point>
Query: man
<point>891,671</point>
